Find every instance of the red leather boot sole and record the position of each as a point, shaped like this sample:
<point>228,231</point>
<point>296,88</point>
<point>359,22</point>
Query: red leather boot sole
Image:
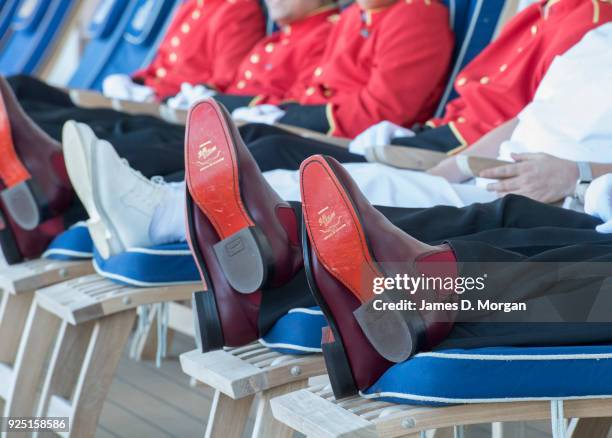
<point>12,170</point>
<point>214,182</point>
<point>335,230</point>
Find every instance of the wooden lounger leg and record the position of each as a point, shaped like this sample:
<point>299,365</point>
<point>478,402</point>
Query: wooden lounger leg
<point>108,339</point>
<point>265,423</point>
<point>228,417</point>
<point>592,428</point>
<point>13,316</point>
<point>65,363</point>
<point>147,344</point>
<point>145,341</point>
<point>40,331</point>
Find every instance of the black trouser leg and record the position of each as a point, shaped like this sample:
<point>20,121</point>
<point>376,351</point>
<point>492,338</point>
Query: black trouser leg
<point>31,90</point>
<point>539,225</point>
<point>566,290</point>
<point>274,148</point>
<point>151,145</point>
<point>444,222</point>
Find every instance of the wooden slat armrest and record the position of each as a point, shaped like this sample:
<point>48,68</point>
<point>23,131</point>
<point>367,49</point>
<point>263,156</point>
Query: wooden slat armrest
<point>405,157</point>
<point>128,106</point>
<point>34,274</point>
<point>89,99</point>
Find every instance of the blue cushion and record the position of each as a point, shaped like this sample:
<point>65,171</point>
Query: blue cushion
<point>474,23</point>
<point>73,244</point>
<point>298,332</point>
<point>498,374</point>
<point>149,267</point>
<point>35,26</point>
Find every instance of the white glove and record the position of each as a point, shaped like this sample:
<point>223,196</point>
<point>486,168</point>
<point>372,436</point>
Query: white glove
<point>380,134</point>
<point>122,87</point>
<point>189,95</point>
<point>268,114</point>
<point>598,201</point>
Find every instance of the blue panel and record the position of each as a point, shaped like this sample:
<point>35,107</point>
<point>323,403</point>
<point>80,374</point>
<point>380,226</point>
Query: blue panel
<point>107,27</point>
<point>143,33</point>
<point>29,15</point>
<point>474,23</point>
<point>105,18</point>
<point>34,28</point>
<point>6,17</point>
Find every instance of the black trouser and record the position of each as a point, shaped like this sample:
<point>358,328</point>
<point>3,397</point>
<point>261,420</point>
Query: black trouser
<point>151,145</point>
<point>517,231</point>
<point>156,147</point>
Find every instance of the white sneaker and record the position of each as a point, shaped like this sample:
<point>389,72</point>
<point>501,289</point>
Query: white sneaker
<point>125,200</point>
<point>78,141</point>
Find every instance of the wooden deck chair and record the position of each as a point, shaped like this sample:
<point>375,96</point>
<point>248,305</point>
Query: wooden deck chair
<point>18,284</point>
<point>315,412</point>
<point>246,375</point>
<point>85,323</point>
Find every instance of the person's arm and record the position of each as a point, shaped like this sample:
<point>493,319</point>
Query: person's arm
<point>486,147</point>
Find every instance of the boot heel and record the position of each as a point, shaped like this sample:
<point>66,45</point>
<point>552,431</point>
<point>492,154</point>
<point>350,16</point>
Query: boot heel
<point>11,252</point>
<point>20,202</point>
<point>246,259</point>
<point>209,334</point>
<point>396,335</point>
<point>338,368</point>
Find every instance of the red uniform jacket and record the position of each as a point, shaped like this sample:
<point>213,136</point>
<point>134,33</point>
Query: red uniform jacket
<point>503,79</point>
<point>387,64</point>
<point>205,42</point>
<point>275,63</point>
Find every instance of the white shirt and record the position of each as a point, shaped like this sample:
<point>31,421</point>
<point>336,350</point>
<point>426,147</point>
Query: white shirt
<point>571,114</point>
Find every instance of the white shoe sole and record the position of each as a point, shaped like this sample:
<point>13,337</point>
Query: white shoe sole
<point>78,158</point>
<point>103,232</point>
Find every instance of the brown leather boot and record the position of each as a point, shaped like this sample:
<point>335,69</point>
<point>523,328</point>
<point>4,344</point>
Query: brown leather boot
<point>349,246</point>
<point>244,237</point>
<point>35,187</point>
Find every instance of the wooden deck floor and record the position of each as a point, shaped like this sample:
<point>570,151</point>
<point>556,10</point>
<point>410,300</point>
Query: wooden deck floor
<point>145,401</point>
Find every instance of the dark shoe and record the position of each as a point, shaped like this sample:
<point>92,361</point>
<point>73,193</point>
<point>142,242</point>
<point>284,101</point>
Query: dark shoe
<point>347,244</point>
<point>244,237</point>
<point>35,190</point>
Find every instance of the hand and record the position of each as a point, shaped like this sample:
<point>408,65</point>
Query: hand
<point>268,114</point>
<point>541,177</point>
<point>380,134</point>
<point>598,201</point>
<point>449,170</point>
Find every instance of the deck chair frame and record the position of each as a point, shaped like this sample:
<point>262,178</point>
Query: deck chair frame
<point>66,338</point>
<point>94,318</point>
<point>241,377</point>
<point>315,412</point>
<point>18,284</point>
